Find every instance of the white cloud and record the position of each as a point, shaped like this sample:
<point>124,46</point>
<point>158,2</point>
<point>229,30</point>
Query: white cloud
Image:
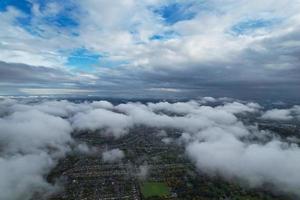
<point>237,107</point>
<point>282,114</point>
<point>31,141</point>
<point>179,107</point>
<point>274,162</point>
<point>218,142</point>
<point>102,104</point>
<point>215,139</point>
<point>113,123</point>
<point>208,99</point>
<point>296,111</point>
<point>167,140</point>
<point>23,175</point>
<point>31,131</point>
<point>83,148</point>
<point>113,155</point>
<point>204,50</point>
<point>20,46</point>
<point>277,114</point>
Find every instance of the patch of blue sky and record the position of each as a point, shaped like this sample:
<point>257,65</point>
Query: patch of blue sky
<point>63,19</point>
<point>164,36</point>
<point>248,26</point>
<point>25,23</point>
<point>83,60</point>
<point>58,21</point>
<point>175,12</point>
<point>22,5</point>
<point>66,4</point>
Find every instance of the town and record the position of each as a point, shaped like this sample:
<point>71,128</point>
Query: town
<point>154,166</point>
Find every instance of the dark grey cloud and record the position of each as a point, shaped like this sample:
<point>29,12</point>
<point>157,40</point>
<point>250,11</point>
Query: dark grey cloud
<point>196,81</point>
<point>16,76</point>
<point>26,74</point>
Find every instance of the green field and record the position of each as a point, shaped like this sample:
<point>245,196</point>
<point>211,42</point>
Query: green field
<point>150,189</point>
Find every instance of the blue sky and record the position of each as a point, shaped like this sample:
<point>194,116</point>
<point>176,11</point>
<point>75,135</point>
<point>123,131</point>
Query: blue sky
<point>147,45</point>
<point>175,12</point>
<point>250,25</point>
<point>24,6</point>
<point>83,59</point>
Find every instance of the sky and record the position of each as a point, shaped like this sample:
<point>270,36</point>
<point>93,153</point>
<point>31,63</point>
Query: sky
<point>150,48</point>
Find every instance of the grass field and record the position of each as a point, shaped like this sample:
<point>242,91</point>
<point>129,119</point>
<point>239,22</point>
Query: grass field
<point>150,189</point>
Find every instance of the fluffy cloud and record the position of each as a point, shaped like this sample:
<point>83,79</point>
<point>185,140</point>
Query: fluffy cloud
<point>237,107</point>
<point>215,138</point>
<point>23,175</point>
<point>282,114</point>
<point>296,110</point>
<point>31,143</point>
<point>179,108</point>
<point>209,48</point>
<point>26,132</point>
<point>167,140</point>
<point>113,155</point>
<point>113,123</point>
<point>102,104</point>
<point>201,117</point>
<point>218,142</point>
<point>56,108</point>
<point>276,163</point>
<point>277,114</point>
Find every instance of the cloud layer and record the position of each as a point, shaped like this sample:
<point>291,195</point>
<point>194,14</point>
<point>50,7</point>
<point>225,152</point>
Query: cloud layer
<point>35,134</point>
<point>151,48</point>
<point>31,143</point>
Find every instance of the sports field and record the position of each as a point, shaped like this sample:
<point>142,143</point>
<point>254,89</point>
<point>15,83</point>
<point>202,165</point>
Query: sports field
<point>150,189</point>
